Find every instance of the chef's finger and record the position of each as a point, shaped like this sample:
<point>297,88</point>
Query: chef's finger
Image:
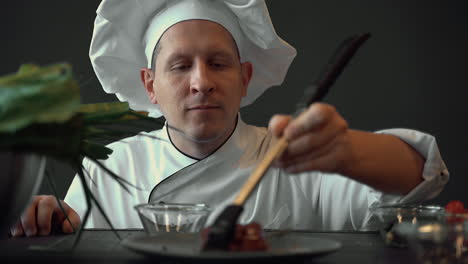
<point>312,118</point>
<point>325,162</point>
<point>45,209</point>
<point>278,123</point>
<point>28,219</point>
<point>60,223</point>
<point>316,139</point>
<point>17,230</point>
<point>73,222</point>
<point>288,163</point>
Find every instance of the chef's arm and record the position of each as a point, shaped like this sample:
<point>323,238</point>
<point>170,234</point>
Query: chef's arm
<point>382,161</point>
<point>319,139</point>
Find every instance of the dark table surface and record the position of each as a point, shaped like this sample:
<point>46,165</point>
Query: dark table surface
<point>102,246</point>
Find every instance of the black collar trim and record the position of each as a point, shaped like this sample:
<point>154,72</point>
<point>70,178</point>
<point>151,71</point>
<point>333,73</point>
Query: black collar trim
<point>185,154</point>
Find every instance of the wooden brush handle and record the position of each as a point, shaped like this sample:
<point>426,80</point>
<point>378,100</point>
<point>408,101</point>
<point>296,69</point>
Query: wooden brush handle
<point>260,170</point>
<point>321,86</point>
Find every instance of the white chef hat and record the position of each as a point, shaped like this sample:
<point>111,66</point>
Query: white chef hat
<point>127,31</point>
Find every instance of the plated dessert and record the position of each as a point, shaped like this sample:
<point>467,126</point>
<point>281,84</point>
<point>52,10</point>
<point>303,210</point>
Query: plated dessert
<point>250,237</point>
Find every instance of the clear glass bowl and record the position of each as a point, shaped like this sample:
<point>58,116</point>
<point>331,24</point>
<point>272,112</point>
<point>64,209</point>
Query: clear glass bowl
<point>439,243</point>
<point>164,217</point>
<point>387,218</point>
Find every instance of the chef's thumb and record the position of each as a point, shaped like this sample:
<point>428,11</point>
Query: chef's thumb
<point>278,123</point>
<point>72,222</point>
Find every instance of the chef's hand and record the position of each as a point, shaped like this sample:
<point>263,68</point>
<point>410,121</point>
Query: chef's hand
<point>318,139</point>
<point>42,215</point>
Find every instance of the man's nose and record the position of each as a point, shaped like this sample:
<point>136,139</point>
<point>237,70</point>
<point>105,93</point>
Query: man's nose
<point>202,79</point>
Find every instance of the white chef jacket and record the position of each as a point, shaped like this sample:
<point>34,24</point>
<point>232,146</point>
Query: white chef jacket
<point>312,200</point>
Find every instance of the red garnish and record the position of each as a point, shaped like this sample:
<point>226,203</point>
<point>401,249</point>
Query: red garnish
<point>455,207</point>
<point>246,238</point>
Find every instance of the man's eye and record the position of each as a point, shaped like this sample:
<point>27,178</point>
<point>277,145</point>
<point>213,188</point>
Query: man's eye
<point>218,65</point>
<point>180,67</point>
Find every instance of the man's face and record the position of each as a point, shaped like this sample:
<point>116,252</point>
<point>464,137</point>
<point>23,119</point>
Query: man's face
<point>198,80</point>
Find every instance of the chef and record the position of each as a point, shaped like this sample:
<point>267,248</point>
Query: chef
<point>196,62</point>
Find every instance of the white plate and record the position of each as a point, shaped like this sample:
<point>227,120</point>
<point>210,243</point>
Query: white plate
<point>187,246</point>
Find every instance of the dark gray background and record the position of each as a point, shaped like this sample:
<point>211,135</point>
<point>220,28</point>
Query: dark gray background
<point>411,73</point>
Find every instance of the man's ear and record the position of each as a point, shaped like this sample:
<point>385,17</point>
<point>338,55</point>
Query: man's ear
<point>147,78</point>
<point>247,71</point>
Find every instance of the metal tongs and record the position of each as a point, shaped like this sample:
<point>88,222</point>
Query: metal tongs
<point>222,231</point>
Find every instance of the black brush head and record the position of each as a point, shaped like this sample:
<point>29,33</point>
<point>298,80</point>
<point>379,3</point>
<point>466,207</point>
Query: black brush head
<point>221,233</point>
<point>332,70</point>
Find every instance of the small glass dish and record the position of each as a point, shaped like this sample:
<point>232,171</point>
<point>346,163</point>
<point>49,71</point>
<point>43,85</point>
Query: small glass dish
<point>439,243</point>
<point>175,217</point>
<point>388,217</point>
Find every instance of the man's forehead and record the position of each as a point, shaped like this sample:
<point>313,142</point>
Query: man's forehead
<point>214,35</point>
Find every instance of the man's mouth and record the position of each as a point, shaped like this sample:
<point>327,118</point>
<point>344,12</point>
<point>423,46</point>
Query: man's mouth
<point>203,107</point>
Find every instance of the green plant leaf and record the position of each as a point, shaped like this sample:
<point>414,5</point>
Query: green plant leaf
<point>37,95</point>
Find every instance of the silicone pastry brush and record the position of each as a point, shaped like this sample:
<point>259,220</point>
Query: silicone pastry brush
<point>222,231</point>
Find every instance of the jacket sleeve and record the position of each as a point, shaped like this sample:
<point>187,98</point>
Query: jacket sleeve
<point>346,204</point>
<point>435,173</point>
